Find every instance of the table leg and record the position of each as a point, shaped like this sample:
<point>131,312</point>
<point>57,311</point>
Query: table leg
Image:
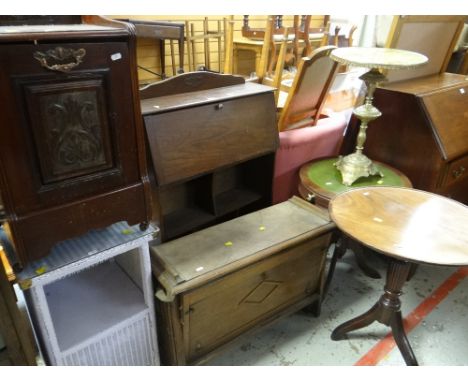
<point>338,252</point>
<point>386,311</point>
<point>181,54</point>
<point>342,243</point>
<point>356,323</point>
<point>235,59</point>
<point>258,58</point>
<point>361,260</point>
<point>401,340</point>
<point>162,52</point>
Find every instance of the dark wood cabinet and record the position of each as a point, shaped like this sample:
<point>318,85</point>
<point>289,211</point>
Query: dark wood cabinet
<point>423,132</point>
<point>72,154</point>
<point>212,140</point>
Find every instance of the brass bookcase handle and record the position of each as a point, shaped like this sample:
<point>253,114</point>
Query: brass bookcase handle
<point>53,59</point>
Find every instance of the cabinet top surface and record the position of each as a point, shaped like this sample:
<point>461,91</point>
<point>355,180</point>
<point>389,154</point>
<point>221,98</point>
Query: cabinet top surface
<point>85,249</point>
<point>421,86</point>
<point>444,100</point>
<point>183,100</point>
<point>405,223</point>
<point>12,29</point>
<point>208,251</point>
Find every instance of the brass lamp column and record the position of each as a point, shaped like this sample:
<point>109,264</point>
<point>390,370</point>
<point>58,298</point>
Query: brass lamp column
<point>357,165</point>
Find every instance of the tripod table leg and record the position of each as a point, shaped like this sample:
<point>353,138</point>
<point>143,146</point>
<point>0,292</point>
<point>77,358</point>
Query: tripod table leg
<point>386,311</point>
<point>401,340</point>
<point>358,322</point>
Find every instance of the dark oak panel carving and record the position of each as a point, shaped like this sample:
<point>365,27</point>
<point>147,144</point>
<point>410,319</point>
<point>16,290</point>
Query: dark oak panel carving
<point>70,128</point>
<point>73,130</point>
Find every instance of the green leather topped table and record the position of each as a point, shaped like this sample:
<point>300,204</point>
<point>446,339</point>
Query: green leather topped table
<point>320,180</point>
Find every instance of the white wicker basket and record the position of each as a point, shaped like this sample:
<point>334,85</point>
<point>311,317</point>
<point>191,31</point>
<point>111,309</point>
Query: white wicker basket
<point>93,305</point>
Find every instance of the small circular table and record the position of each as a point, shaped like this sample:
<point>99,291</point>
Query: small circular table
<point>408,226</point>
<point>320,181</point>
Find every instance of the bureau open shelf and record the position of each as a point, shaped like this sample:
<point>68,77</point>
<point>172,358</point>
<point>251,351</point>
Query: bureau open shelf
<point>185,220</point>
<point>235,199</point>
<point>186,206</point>
<point>240,186</point>
<point>224,194</point>
<point>91,302</point>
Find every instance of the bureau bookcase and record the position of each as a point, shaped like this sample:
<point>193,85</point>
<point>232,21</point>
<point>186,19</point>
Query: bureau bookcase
<point>212,140</point>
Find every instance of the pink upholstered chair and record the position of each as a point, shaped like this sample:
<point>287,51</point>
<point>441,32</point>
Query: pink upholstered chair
<point>300,146</point>
<point>305,133</point>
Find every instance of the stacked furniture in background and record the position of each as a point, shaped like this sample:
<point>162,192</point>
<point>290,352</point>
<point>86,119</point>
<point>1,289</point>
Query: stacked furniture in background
<point>71,144</point>
<point>162,31</point>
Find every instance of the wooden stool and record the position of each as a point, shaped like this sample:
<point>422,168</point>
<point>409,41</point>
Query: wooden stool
<point>320,181</point>
<point>409,226</point>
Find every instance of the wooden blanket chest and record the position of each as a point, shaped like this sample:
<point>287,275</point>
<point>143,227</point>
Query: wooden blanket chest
<point>225,280</point>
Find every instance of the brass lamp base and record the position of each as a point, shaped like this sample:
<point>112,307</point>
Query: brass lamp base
<point>355,166</point>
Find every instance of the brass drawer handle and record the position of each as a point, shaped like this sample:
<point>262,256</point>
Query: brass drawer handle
<point>310,197</point>
<point>459,172</point>
<point>52,58</point>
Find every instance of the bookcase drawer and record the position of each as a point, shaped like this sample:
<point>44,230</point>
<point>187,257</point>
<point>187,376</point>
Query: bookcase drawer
<point>457,171</point>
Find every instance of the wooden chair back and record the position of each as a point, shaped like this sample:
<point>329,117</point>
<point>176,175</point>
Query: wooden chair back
<point>207,36</point>
<point>268,49</point>
<point>274,73</point>
<point>340,40</point>
<point>309,89</point>
<point>275,37</point>
<point>264,62</point>
<point>259,33</point>
<point>433,36</point>
<point>228,45</point>
<point>311,36</point>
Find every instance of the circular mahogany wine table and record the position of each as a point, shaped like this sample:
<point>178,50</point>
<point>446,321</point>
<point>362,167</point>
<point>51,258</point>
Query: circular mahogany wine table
<point>408,226</point>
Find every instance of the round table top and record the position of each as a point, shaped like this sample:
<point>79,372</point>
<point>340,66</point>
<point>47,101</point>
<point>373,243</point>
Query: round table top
<point>378,58</point>
<point>322,178</point>
<point>405,223</point>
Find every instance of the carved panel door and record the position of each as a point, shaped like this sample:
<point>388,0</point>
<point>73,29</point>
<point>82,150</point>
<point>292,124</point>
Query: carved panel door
<point>68,134</point>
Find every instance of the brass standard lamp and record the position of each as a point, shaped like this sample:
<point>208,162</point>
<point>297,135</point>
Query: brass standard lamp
<point>357,165</point>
